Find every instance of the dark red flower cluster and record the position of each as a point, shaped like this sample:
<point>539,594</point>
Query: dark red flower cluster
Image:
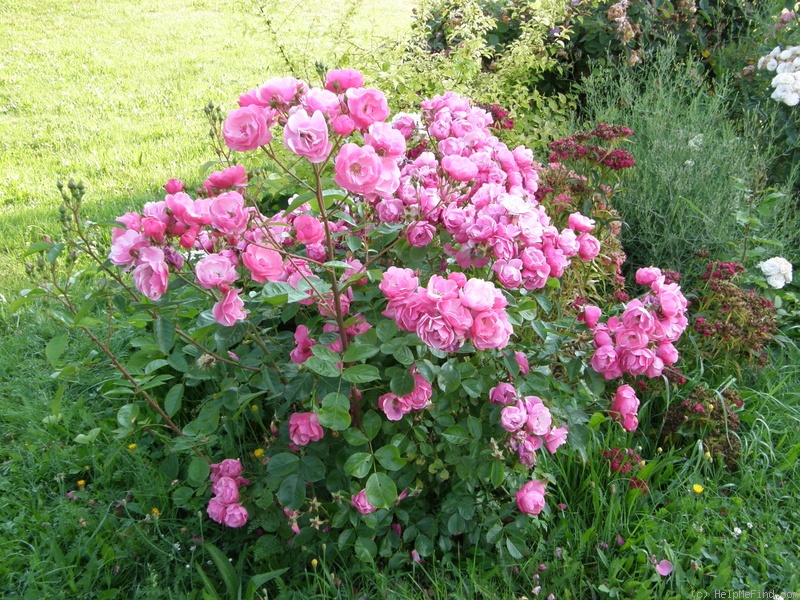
<point>578,146</point>
<point>722,270</point>
<point>500,116</point>
<point>625,461</point>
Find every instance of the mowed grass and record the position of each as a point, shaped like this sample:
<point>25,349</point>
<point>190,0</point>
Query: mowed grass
<point>112,92</point>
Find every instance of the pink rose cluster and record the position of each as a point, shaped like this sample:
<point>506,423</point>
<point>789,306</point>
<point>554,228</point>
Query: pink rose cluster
<point>482,194</point>
<point>448,311</point>
<point>528,421</point>
<point>395,407</point>
<point>224,507</point>
<point>312,117</point>
<point>640,341</point>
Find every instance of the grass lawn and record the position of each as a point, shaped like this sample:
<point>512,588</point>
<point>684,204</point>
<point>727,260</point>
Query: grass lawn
<point>112,93</point>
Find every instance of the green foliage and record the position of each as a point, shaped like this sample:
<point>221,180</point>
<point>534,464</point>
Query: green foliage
<point>690,164</point>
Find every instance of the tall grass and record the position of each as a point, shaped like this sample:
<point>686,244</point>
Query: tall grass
<point>695,168</point>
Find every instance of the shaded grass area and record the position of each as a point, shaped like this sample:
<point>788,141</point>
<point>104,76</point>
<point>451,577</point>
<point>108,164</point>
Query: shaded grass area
<point>112,93</point>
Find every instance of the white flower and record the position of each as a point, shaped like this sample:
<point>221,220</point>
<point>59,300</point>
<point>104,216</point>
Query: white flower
<point>762,62</point>
<point>696,142</point>
<point>777,270</point>
<point>772,64</point>
<point>775,51</point>
<point>689,163</point>
<point>786,54</point>
<point>749,525</point>
<point>791,99</point>
<point>737,532</point>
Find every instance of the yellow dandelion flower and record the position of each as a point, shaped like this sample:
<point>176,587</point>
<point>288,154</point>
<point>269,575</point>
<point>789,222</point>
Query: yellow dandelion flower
<point>314,562</point>
<point>697,488</point>
<point>710,407</point>
<point>707,455</point>
<point>81,484</point>
<point>258,452</point>
<point>155,512</point>
<point>132,447</point>
<point>254,408</point>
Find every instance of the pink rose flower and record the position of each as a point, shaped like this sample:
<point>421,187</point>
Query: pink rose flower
<point>151,275</point>
<point>247,128</point>
<point>343,125</point>
<point>173,186</point>
<point>216,510</point>
<point>387,141</point>
<point>264,264</point>
<point>460,168</point>
<point>522,362</point>
<point>125,248</point>
<point>581,223</point>
<point>490,329</point>
<point>589,247</point>
<point>478,295</point>
<point>636,361</point>
<point>226,490</point>
<point>366,106</point>
<point>324,101</point>
<point>230,467</point>
<point>503,393</point>
<point>341,80</point>
<point>555,438</point>
<point>667,353</point>
<point>230,309</point>
<point>604,358</point>
<point>394,407</point>
<point>358,169</point>
<point>361,504</point>
<point>590,315</point>
<point>235,516</point>
<point>420,233</point>
<point>648,275</point>
<point>435,332</point>
<point>539,419</point>
<point>421,394</point>
<point>624,408</point>
<point>304,428</point>
<point>227,213</point>
<point>308,230</point>
<point>214,270</point>
<point>390,210</point>
<point>530,497</point>
<point>398,283</point>
<point>231,177</point>
<point>513,418</point>
<point>280,92</point>
<point>307,136</point>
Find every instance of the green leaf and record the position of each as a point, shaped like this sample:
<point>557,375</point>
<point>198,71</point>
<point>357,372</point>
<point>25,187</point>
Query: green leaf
<point>38,247</point>
<point>381,490</point>
<point>87,438</point>
<point>356,352</point>
<point>164,330</point>
<point>355,437</point>
<point>402,384</point>
<point>55,348</point>
<point>361,373</point>
<point>54,253</point>
<point>284,464</point>
<point>475,427</point>
<point>449,379</point>
<point>126,415</point>
<point>312,468</point>
<point>172,401</point>
<point>227,337</point>
<point>359,464</point>
<point>256,581</point>
<point>155,365</point>
<point>497,473</point>
<point>322,367</point>
<point>225,569</point>
<point>389,457</point>
<point>386,330</point>
<point>473,387</point>
<point>182,495</point>
<point>292,492</point>
<point>326,354</point>
<point>372,423</point>
<point>456,434</point>
<point>544,302</point>
<point>513,550</point>
<point>366,549</point>
<point>335,412</point>
<point>198,472</point>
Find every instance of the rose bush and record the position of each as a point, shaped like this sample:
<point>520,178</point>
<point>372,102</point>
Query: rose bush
<point>394,357</point>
